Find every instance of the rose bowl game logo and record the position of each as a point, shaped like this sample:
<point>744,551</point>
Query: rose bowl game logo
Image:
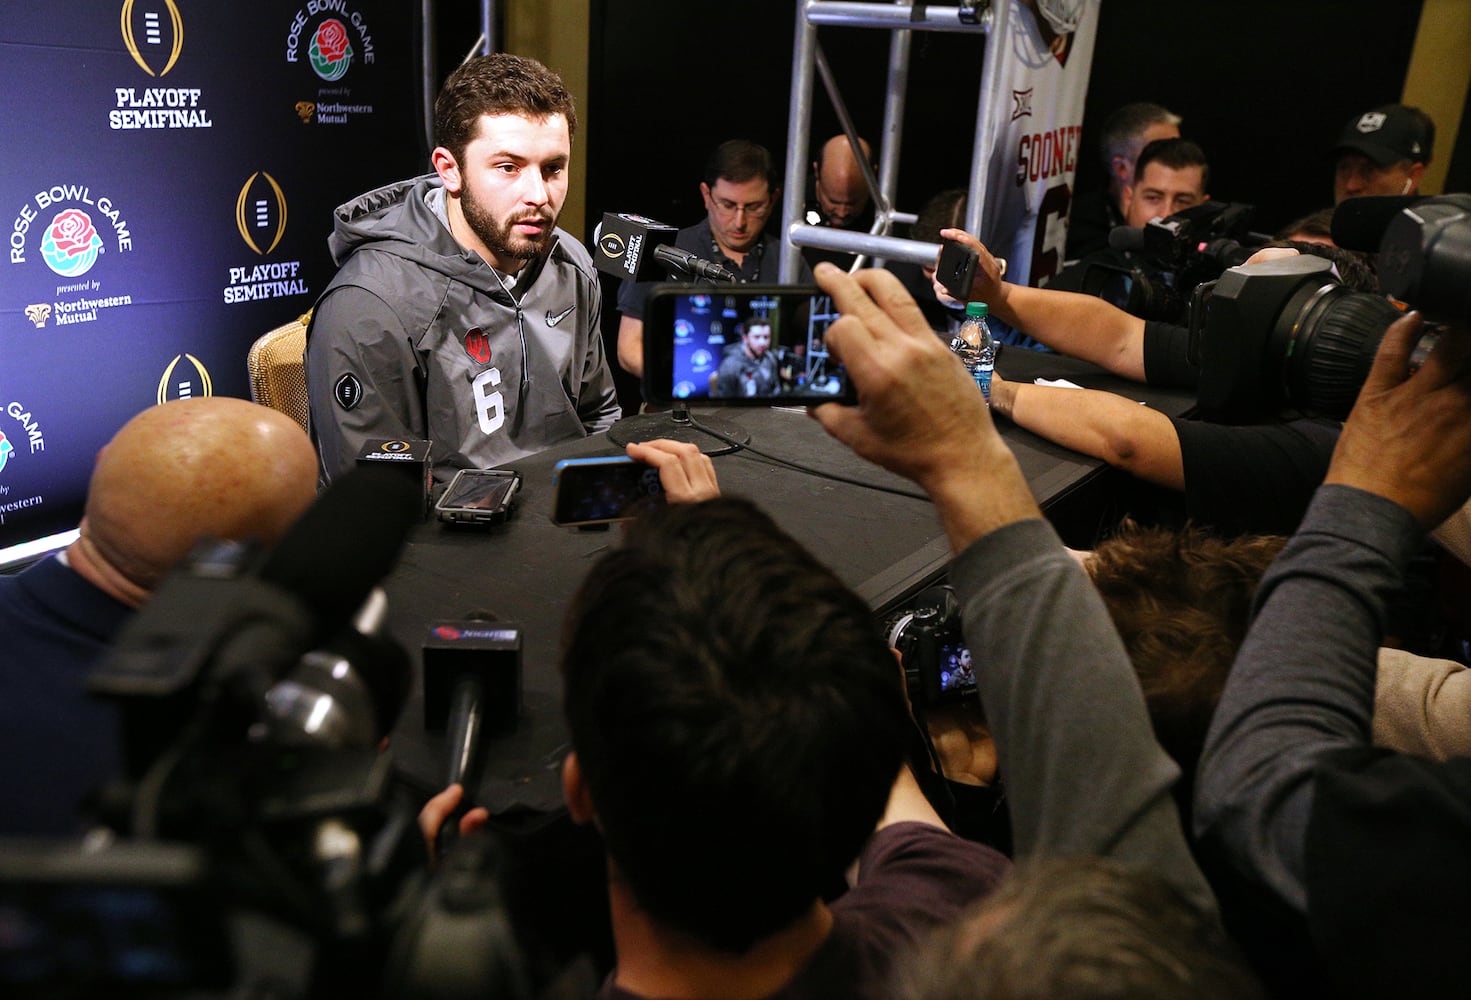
<point>71,244</point>
<point>331,50</point>
<point>5,449</point>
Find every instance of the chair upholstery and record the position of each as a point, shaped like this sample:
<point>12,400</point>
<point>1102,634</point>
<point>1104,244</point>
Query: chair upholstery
<point>277,368</point>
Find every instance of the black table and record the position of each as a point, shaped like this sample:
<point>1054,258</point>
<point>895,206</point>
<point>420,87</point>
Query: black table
<point>877,532</point>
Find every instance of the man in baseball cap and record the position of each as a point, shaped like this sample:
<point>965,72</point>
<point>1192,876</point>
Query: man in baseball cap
<point>1382,152</point>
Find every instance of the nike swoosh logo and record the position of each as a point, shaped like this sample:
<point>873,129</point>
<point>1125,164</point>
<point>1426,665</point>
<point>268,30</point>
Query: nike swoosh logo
<point>554,320</point>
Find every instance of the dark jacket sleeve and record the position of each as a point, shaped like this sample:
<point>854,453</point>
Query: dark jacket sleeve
<point>1083,772</point>
<point>1302,686</point>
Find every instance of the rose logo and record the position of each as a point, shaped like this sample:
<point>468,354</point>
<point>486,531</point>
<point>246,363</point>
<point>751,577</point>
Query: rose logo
<point>5,449</point>
<point>71,244</point>
<point>331,51</point>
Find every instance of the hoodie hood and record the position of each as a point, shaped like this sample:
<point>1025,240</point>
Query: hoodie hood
<point>399,219</point>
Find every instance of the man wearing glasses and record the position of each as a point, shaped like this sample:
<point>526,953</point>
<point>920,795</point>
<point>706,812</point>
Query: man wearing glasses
<point>740,191</point>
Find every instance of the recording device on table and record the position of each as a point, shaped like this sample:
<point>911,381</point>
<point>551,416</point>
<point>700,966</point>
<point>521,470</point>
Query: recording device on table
<point>938,667</point>
<point>752,345</point>
<point>1286,333</point>
<point>479,497</point>
<point>1171,257</point>
<point>598,491</point>
<point>260,848</point>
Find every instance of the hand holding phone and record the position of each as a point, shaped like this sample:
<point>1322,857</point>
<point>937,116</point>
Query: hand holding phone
<point>957,268</point>
<point>591,491</point>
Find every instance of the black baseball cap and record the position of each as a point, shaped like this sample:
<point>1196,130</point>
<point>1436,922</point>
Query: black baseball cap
<point>1388,134</point>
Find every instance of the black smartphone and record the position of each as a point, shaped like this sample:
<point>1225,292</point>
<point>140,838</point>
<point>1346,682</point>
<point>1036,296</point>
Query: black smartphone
<point>602,490</point>
<point>478,496</point>
<point>741,345</point>
<point>957,268</point>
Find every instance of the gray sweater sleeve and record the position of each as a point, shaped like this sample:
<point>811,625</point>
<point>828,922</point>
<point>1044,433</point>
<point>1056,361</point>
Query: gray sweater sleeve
<point>1302,685</point>
<point>1083,772</point>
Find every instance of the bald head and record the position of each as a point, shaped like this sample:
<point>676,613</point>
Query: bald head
<point>185,470</point>
<point>841,191</point>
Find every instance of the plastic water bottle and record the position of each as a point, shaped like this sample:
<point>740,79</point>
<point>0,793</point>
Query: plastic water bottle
<point>976,347</point>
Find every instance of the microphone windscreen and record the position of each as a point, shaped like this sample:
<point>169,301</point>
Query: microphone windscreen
<point>1359,223</point>
<point>347,541</point>
<point>1126,238</point>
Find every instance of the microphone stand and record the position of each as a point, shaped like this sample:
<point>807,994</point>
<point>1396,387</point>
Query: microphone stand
<point>675,424</point>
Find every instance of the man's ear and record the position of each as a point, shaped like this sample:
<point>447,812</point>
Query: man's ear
<point>447,168</point>
<point>705,193</point>
<point>1122,170</point>
<point>1417,170</point>
<point>1128,199</point>
<point>575,792</point>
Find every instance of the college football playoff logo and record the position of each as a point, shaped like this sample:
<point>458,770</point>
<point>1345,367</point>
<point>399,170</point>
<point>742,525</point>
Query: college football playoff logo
<point>148,24</point>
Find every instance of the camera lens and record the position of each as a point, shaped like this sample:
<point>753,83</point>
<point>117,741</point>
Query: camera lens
<point>1331,348</point>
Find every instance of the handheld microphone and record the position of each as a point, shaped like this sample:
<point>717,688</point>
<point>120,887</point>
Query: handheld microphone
<point>1359,223</point>
<point>695,266</point>
<point>1126,238</point>
<point>626,245</point>
<point>630,246</point>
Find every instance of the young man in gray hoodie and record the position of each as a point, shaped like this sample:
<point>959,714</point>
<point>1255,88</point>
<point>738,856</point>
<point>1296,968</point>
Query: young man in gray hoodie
<point>461,313</point>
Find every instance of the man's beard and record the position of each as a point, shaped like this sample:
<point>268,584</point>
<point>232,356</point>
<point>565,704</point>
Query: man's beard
<point>499,237</point>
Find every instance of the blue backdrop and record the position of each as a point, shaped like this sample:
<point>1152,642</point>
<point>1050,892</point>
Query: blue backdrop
<point>168,171</point>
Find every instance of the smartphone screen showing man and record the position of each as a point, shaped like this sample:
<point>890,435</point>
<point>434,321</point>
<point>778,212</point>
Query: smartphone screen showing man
<point>745,345</point>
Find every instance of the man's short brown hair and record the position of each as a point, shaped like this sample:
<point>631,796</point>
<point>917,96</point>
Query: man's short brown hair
<point>497,84</point>
<point>1181,601</point>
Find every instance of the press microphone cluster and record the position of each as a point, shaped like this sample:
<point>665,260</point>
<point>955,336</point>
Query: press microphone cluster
<point>631,246</point>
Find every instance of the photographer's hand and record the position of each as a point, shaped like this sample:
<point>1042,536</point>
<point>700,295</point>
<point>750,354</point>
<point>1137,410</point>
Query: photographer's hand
<point>439,810</point>
<point>919,413</point>
<point>686,473</point>
<point>1408,438</point>
<point>987,287</point>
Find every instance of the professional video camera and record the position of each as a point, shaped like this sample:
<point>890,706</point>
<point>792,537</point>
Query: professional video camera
<point>258,846</point>
<point>937,662</point>
<point>1170,258</point>
<point>1286,334</point>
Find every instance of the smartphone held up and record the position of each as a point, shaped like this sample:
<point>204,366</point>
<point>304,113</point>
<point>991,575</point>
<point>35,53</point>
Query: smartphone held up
<point>746,345</point>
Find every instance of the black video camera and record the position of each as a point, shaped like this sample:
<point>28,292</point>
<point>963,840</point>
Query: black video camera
<point>1287,334</point>
<point>257,845</point>
<point>1170,257</point>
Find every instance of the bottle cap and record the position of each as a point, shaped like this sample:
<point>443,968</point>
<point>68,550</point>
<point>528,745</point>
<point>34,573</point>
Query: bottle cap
<point>975,309</point>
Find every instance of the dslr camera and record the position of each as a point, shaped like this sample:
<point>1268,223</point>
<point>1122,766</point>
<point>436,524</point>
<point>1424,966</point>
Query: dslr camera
<point>937,663</point>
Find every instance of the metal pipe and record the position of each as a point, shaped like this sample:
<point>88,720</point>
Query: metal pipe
<point>799,124</point>
<point>919,17</point>
<point>895,102</point>
<point>997,23</point>
<point>880,200</point>
<point>430,82</point>
<point>487,26</point>
<point>847,241</point>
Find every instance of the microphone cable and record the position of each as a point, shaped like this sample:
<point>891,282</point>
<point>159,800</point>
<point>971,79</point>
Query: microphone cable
<point>737,446</point>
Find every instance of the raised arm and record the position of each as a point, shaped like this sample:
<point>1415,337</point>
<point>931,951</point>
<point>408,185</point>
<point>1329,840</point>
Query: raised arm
<point>1303,683</point>
<point>1083,326</point>
<point>1084,773</point>
<point>1121,432</point>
